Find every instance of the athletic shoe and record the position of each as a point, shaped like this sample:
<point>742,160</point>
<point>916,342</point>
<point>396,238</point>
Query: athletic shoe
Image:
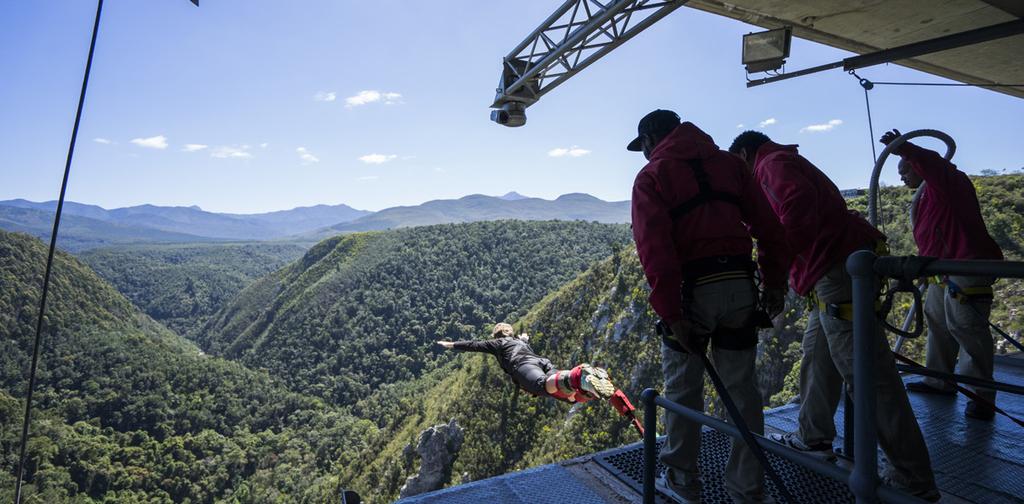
<point>923,388</point>
<point>930,494</point>
<point>979,411</point>
<point>819,450</point>
<point>595,381</point>
<point>676,492</point>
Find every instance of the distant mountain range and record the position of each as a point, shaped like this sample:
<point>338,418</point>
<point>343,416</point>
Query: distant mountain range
<point>89,226</point>
<point>477,207</point>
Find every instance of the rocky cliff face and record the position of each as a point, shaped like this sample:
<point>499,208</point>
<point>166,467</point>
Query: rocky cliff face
<point>437,448</point>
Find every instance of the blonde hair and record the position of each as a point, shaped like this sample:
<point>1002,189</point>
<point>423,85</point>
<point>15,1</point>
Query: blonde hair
<point>503,330</point>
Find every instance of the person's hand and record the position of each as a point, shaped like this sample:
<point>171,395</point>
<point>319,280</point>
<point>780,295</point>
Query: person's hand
<point>682,331</point>
<point>446,344</point>
<point>889,137</point>
<point>774,301</point>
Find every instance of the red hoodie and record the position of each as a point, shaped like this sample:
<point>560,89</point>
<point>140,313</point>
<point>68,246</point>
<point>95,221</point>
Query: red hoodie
<point>716,228</point>
<point>819,229</point>
<point>948,222</point>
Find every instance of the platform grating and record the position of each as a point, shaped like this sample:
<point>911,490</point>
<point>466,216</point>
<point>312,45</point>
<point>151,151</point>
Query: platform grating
<point>627,464</point>
<point>550,484</point>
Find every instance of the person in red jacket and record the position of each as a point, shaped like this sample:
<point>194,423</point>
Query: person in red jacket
<point>694,209</point>
<point>823,232</point>
<point>947,223</point>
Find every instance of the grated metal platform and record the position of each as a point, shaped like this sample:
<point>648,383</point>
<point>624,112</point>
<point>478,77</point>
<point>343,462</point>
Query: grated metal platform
<point>550,484</point>
<point>974,461</point>
<point>628,465</point>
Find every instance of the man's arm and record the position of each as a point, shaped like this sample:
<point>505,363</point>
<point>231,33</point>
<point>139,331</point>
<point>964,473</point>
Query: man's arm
<point>652,232</point>
<point>491,346</point>
<point>773,254</point>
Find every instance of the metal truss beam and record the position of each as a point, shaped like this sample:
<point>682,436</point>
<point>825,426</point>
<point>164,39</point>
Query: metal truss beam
<point>577,34</point>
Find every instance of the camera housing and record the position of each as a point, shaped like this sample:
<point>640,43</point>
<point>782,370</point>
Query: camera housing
<point>511,114</point>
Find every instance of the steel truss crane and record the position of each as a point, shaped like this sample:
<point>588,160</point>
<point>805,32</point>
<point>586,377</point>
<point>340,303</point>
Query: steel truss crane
<point>577,34</point>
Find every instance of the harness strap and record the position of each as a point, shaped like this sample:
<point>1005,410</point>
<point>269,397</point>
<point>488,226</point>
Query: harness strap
<point>705,193</point>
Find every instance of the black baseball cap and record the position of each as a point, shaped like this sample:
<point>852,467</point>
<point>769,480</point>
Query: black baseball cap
<point>656,122</point>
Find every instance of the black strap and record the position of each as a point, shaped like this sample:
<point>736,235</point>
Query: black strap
<point>705,194</point>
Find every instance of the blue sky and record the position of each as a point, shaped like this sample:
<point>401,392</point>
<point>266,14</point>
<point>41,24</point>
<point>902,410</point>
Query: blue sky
<point>266,105</point>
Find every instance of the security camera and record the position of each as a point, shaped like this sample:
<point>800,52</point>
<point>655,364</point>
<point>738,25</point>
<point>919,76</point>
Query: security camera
<point>511,114</point>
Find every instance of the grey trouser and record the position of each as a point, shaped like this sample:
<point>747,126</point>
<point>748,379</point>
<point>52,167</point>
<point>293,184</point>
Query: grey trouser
<point>898,433</point>
<point>726,304</point>
<point>955,328</point>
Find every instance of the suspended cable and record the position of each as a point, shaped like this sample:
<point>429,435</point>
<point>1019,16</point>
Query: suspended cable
<point>946,84</point>
<point>49,261</point>
<point>868,85</point>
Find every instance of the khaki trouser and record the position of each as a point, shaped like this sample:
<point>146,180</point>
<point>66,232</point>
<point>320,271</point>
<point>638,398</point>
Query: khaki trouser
<point>726,304</point>
<point>955,328</point>
<point>898,433</point>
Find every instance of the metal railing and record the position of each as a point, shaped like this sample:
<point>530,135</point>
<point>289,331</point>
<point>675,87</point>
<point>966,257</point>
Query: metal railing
<point>865,268</point>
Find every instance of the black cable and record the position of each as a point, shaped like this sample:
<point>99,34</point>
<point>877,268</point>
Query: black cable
<point>867,85</point>
<point>945,84</point>
<point>741,425</point>
<point>49,260</point>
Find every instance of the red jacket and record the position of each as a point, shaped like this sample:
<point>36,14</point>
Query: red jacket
<point>948,221</point>
<point>716,228</point>
<point>819,229</point>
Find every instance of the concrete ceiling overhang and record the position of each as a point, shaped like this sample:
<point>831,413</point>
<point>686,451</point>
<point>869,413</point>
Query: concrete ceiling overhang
<point>864,26</point>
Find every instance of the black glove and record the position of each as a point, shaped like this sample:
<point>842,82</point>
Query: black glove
<point>889,136</point>
<point>774,301</point>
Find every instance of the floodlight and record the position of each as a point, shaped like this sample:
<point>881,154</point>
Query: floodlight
<point>767,50</point>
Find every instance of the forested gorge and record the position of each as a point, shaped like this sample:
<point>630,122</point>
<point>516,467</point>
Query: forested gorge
<point>181,286</point>
<point>129,412</point>
<point>321,373</point>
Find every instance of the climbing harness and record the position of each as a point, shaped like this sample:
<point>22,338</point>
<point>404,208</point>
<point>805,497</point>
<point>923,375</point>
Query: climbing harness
<point>705,194</point>
<point>736,417</point>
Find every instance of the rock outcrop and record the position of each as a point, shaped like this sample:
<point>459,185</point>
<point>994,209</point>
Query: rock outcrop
<point>437,448</point>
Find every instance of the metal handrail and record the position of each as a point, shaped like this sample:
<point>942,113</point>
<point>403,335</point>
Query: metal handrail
<point>865,268</point>
<point>651,400</point>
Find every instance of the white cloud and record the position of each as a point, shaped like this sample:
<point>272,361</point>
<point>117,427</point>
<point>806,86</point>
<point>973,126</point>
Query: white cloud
<point>157,142</point>
<point>767,122</point>
<point>368,177</point>
<point>740,125</point>
<point>327,96</point>
<point>377,158</point>
<point>264,145</point>
<point>573,151</point>
<point>305,156</point>
<point>194,147</point>
<point>225,152</point>
<point>102,141</point>
<point>373,96</point>
<point>817,128</point>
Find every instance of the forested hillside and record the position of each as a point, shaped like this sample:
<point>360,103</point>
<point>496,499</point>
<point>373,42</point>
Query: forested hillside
<point>181,286</point>
<point>129,412</point>
<point>362,310</point>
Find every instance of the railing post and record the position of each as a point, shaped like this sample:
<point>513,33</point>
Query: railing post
<point>650,442</point>
<point>864,479</point>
